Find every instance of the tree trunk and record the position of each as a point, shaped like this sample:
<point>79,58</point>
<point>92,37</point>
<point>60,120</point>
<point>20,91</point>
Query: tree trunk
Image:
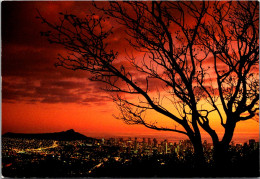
<point>221,157</point>
<point>198,152</point>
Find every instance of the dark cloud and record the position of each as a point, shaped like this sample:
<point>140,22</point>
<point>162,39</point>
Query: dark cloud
<point>28,72</point>
<point>56,91</point>
<point>96,98</point>
<point>61,99</point>
<point>28,59</point>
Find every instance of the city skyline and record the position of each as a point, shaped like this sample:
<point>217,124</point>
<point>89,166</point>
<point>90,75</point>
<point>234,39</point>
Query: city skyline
<point>160,137</point>
<point>89,157</point>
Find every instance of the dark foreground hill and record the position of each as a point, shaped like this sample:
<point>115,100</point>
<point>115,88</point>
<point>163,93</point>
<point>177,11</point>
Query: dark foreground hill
<point>68,135</point>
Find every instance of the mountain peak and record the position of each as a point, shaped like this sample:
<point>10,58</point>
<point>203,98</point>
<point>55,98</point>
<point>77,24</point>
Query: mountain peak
<point>70,131</point>
<point>64,135</point>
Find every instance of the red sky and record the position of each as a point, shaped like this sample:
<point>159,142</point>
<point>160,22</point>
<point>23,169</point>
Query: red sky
<point>37,97</point>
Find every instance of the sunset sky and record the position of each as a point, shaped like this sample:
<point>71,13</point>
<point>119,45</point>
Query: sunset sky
<point>38,97</point>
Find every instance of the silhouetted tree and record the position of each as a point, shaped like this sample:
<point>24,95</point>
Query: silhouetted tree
<point>205,55</point>
<point>231,37</point>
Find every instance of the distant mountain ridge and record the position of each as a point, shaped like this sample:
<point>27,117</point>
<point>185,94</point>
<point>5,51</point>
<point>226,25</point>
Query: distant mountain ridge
<point>68,135</point>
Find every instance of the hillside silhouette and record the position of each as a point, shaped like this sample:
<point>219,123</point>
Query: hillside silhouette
<point>68,135</point>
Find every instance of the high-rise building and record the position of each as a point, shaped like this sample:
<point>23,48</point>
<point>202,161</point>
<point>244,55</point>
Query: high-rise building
<point>129,142</point>
<point>252,142</point>
<point>144,143</point>
<point>205,143</point>
<point>232,143</point>
<point>155,142</point>
<point>165,145</point>
<point>135,144</point>
<point>149,142</point>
